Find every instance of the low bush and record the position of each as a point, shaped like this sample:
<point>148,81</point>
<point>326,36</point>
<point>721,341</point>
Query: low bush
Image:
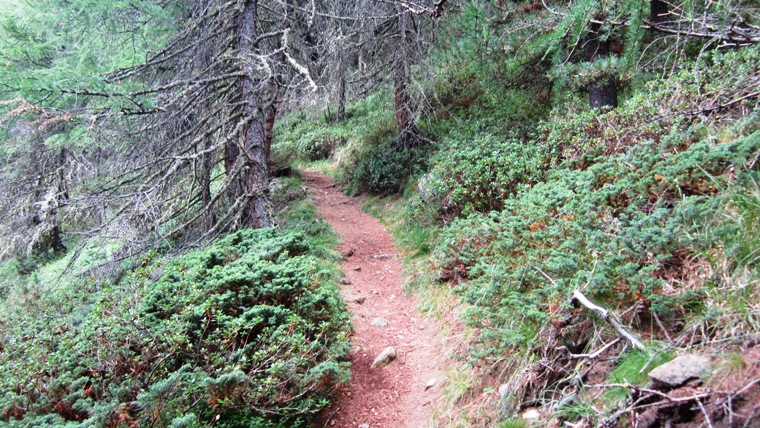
<point>250,331</point>
<point>628,227</point>
<point>384,169</point>
<point>478,175</point>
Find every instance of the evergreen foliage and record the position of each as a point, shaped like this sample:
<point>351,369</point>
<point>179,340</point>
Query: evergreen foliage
<point>250,331</point>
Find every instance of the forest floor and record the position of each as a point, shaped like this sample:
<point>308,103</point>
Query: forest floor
<point>403,393</point>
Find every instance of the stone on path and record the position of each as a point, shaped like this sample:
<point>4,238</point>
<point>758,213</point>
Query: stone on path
<point>385,357</point>
<point>680,370</point>
<point>430,384</point>
<point>379,322</point>
<point>360,300</point>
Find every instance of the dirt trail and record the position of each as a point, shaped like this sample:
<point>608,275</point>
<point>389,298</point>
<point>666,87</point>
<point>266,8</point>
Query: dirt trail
<point>395,395</point>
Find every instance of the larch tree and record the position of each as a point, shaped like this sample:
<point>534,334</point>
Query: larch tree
<point>179,138</point>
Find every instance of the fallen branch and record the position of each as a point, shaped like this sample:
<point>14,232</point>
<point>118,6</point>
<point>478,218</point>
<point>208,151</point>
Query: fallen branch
<point>595,354</point>
<point>609,318</point>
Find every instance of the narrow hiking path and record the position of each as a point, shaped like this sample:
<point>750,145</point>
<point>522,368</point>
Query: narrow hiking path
<point>396,395</point>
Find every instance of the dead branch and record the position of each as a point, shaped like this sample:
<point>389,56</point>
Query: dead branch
<point>609,318</point>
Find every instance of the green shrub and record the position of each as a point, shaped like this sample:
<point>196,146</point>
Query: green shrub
<point>248,332</point>
<point>384,169</point>
<point>625,227</point>
<point>478,175</point>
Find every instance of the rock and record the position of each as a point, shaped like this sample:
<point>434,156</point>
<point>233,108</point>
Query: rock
<point>385,357</point>
<point>531,415</point>
<point>430,384</point>
<point>504,391</point>
<point>382,256</point>
<point>680,370</point>
<point>360,300</point>
<point>355,350</point>
<point>364,426</point>
<point>379,322</point>
<point>345,281</point>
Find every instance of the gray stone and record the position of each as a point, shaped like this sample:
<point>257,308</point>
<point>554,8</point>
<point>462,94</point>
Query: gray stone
<point>379,322</point>
<point>364,426</point>
<point>360,300</point>
<point>430,384</point>
<point>385,357</point>
<point>504,391</point>
<point>531,415</point>
<point>680,370</point>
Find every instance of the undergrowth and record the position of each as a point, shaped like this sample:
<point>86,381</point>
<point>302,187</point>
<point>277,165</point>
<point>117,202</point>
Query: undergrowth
<point>250,331</point>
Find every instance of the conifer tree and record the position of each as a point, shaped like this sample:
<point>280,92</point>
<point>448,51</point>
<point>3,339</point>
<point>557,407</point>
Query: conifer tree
<point>180,135</point>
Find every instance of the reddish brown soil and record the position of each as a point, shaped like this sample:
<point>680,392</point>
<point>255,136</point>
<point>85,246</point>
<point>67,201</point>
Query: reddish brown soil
<point>395,395</point>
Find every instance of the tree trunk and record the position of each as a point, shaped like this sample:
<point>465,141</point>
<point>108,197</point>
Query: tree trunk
<point>231,153</point>
<point>204,181</point>
<point>602,93</point>
<point>658,11</point>
<point>342,89</point>
<point>55,234</point>
<point>271,115</point>
<point>408,132</point>
<point>258,210</point>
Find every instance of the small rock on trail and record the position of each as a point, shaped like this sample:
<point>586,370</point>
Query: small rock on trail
<point>386,357</point>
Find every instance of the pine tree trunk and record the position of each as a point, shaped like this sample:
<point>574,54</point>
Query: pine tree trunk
<point>408,132</point>
<point>258,210</point>
<point>204,181</point>
<point>342,91</point>
<point>231,153</point>
<point>271,115</point>
<point>658,11</point>
<point>602,93</point>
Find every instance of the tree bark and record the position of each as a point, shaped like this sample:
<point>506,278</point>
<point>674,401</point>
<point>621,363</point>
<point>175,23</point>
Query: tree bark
<point>602,93</point>
<point>270,118</point>
<point>408,132</point>
<point>258,210</point>
<point>658,11</point>
<point>204,181</point>
<point>342,90</point>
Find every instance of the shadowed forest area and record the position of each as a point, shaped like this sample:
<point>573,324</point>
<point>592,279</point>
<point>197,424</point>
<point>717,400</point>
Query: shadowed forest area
<point>573,187</point>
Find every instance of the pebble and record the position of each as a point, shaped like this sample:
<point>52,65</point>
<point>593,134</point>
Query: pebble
<point>360,300</point>
<point>385,357</point>
<point>379,322</point>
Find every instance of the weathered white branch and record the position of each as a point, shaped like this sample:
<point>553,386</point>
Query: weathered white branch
<point>609,318</point>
